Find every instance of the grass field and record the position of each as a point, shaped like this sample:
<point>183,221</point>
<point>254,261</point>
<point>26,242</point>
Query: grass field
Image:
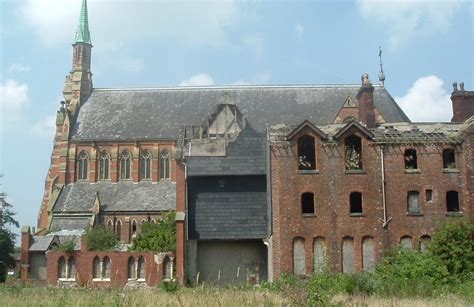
<point>201,296</point>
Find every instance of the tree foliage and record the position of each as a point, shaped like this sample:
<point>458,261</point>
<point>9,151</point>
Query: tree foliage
<point>159,237</point>
<point>453,243</point>
<point>7,238</point>
<point>100,239</point>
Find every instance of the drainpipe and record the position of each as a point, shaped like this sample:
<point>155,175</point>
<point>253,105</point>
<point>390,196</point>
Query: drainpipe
<point>268,240</point>
<point>384,201</point>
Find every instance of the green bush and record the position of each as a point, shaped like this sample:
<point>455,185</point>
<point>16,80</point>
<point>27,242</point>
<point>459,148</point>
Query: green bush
<point>67,246</point>
<point>159,237</point>
<point>100,239</point>
<point>170,286</point>
<point>453,243</point>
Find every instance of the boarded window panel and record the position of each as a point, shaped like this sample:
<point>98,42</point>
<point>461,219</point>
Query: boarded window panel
<point>299,259</point>
<point>413,200</point>
<point>406,243</point>
<point>166,268</point>
<point>62,267</point>
<point>132,269</point>
<point>319,251</point>
<point>368,254</point>
<point>106,267</point>
<point>96,268</point>
<point>72,268</point>
<point>424,241</point>
<point>348,255</point>
<point>141,268</point>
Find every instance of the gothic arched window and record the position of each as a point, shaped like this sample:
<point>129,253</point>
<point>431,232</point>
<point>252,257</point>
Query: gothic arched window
<point>96,268</point>
<point>104,165</point>
<point>106,268</point>
<point>132,268</point>
<point>145,165</point>
<point>125,165</point>
<point>165,165</point>
<point>141,268</point>
<point>82,165</point>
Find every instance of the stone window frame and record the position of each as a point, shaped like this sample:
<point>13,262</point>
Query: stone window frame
<point>353,153</point>
<point>69,263</point>
<point>303,204</point>
<point>165,164</point>
<point>133,232</point>
<point>82,166</point>
<point>133,268</point>
<point>146,165</point>
<point>414,193</point>
<point>141,275</point>
<point>103,165</point>
<point>125,165</point>
<point>102,269</point>
<point>352,212</point>
<point>306,146</point>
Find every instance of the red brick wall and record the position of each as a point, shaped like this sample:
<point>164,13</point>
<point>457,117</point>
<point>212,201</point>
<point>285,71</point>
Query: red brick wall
<point>180,225</point>
<point>331,186</point>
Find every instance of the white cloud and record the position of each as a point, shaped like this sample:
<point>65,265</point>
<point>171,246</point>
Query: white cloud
<point>405,20</point>
<point>299,31</point>
<point>196,80</point>
<point>13,99</point>
<point>427,100</point>
<point>46,127</point>
<point>19,68</point>
<point>112,22</point>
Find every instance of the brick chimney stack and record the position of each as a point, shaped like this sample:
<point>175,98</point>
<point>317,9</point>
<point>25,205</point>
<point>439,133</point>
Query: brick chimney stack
<point>463,103</point>
<point>366,102</point>
<point>25,256</point>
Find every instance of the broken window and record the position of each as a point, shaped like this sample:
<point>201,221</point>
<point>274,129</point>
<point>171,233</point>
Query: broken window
<point>429,195</point>
<point>82,165</point>
<point>106,268</point>
<point>355,200</point>
<point>353,152</point>
<point>452,201</point>
<point>424,241</point>
<point>71,268</point>
<point>299,258</point>
<point>167,268</point>
<point>449,158</point>
<point>62,268</point>
<point>368,254</point>
<point>96,268</point>
<point>164,165</point>
<point>306,153</point>
<point>132,268</point>
<point>410,159</point>
<point>319,251</point>
<point>104,162</point>
<point>125,165</point>
<point>141,268</point>
<point>413,202</point>
<point>145,165</point>
<point>307,203</point>
<point>406,243</point>
<point>348,255</point>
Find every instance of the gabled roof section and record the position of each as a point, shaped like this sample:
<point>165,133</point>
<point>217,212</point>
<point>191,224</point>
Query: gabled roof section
<point>83,34</point>
<point>356,125</point>
<point>42,243</point>
<point>309,125</point>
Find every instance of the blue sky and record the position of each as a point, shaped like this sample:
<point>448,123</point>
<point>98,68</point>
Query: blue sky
<point>426,46</point>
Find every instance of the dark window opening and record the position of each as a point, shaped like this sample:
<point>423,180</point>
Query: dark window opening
<point>356,202</point>
<point>410,159</point>
<point>429,195</point>
<point>452,201</point>
<point>413,201</point>
<point>307,203</point>
<point>353,151</point>
<point>306,153</point>
<point>449,158</point>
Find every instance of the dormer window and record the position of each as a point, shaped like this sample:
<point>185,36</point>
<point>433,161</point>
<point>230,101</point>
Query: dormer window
<point>411,161</point>
<point>353,152</point>
<point>306,153</point>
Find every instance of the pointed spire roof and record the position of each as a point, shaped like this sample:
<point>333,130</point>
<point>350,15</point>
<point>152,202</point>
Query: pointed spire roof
<point>82,34</point>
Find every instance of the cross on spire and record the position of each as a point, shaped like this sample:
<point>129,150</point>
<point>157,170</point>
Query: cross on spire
<point>82,34</point>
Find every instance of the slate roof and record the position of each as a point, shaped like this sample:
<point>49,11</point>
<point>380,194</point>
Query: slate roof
<point>41,243</point>
<point>70,223</point>
<point>120,196</point>
<point>141,114</point>
<point>245,156</point>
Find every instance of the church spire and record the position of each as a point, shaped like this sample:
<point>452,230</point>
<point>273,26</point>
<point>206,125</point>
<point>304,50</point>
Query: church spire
<point>82,34</point>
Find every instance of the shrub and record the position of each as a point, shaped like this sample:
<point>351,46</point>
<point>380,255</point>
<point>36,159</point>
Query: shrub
<point>159,237</point>
<point>453,243</point>
<point>66,246</point>
<point>170,286</point>
<point>100,239</point>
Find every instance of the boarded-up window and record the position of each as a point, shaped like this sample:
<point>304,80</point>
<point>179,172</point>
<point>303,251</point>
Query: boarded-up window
<point>132,268</point>
<point>411,161</point>
<point>72,268</point>
<point>452,201</point>
<point>368,254</point>
<point>348,255</point>
<point>106,268</point>
<point>62,268</point>
<point>355,199</point>
<point>306,153</point>
<point>167,268</point>
<point>406,243</point>
<point>353,152</point>
<point>449,158</point>
<point>307,203</point>
<point>299,259</point>
<point>319,251</point>
<point>141,268</point>
<point>413,200</point>
<point>96,268</point>
<point>424,241</point>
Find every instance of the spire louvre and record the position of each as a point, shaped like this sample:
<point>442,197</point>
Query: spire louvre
<point>83,34</point>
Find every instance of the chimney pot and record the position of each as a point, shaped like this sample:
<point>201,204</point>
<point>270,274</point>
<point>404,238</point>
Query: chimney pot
<point>461,85</point>
<point>365,79</point>
<point>455,86</point>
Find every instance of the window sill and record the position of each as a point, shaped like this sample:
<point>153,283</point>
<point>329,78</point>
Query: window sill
<point>412,171</point>
<point>308,172</point>
<point>356,171</point>
<point>454,214</point>
<point>66,279</point>
<point>415,214</point>
<point>356,214</point>
<point>450,170</point>
<point>308,215</point>
<point>101,279</point>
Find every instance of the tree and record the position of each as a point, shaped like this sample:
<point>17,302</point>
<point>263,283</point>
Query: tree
<point>100,239</point>
<point>159,237</point>
<point>7,238</point>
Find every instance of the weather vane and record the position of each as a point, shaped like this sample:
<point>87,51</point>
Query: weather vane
<point>381,74</point>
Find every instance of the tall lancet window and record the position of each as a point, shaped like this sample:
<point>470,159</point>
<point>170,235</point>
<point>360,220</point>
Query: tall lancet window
<point>82,165</point>
<point>125,163</point>
<point>165,164</point>
<point>145,165</point>
<point>104,165</point>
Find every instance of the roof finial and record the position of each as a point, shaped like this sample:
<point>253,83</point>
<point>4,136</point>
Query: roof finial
<point>381,74</point>
<point>82,34</point>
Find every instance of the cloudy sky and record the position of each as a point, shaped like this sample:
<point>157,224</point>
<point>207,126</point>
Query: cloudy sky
<point>426,46</point>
